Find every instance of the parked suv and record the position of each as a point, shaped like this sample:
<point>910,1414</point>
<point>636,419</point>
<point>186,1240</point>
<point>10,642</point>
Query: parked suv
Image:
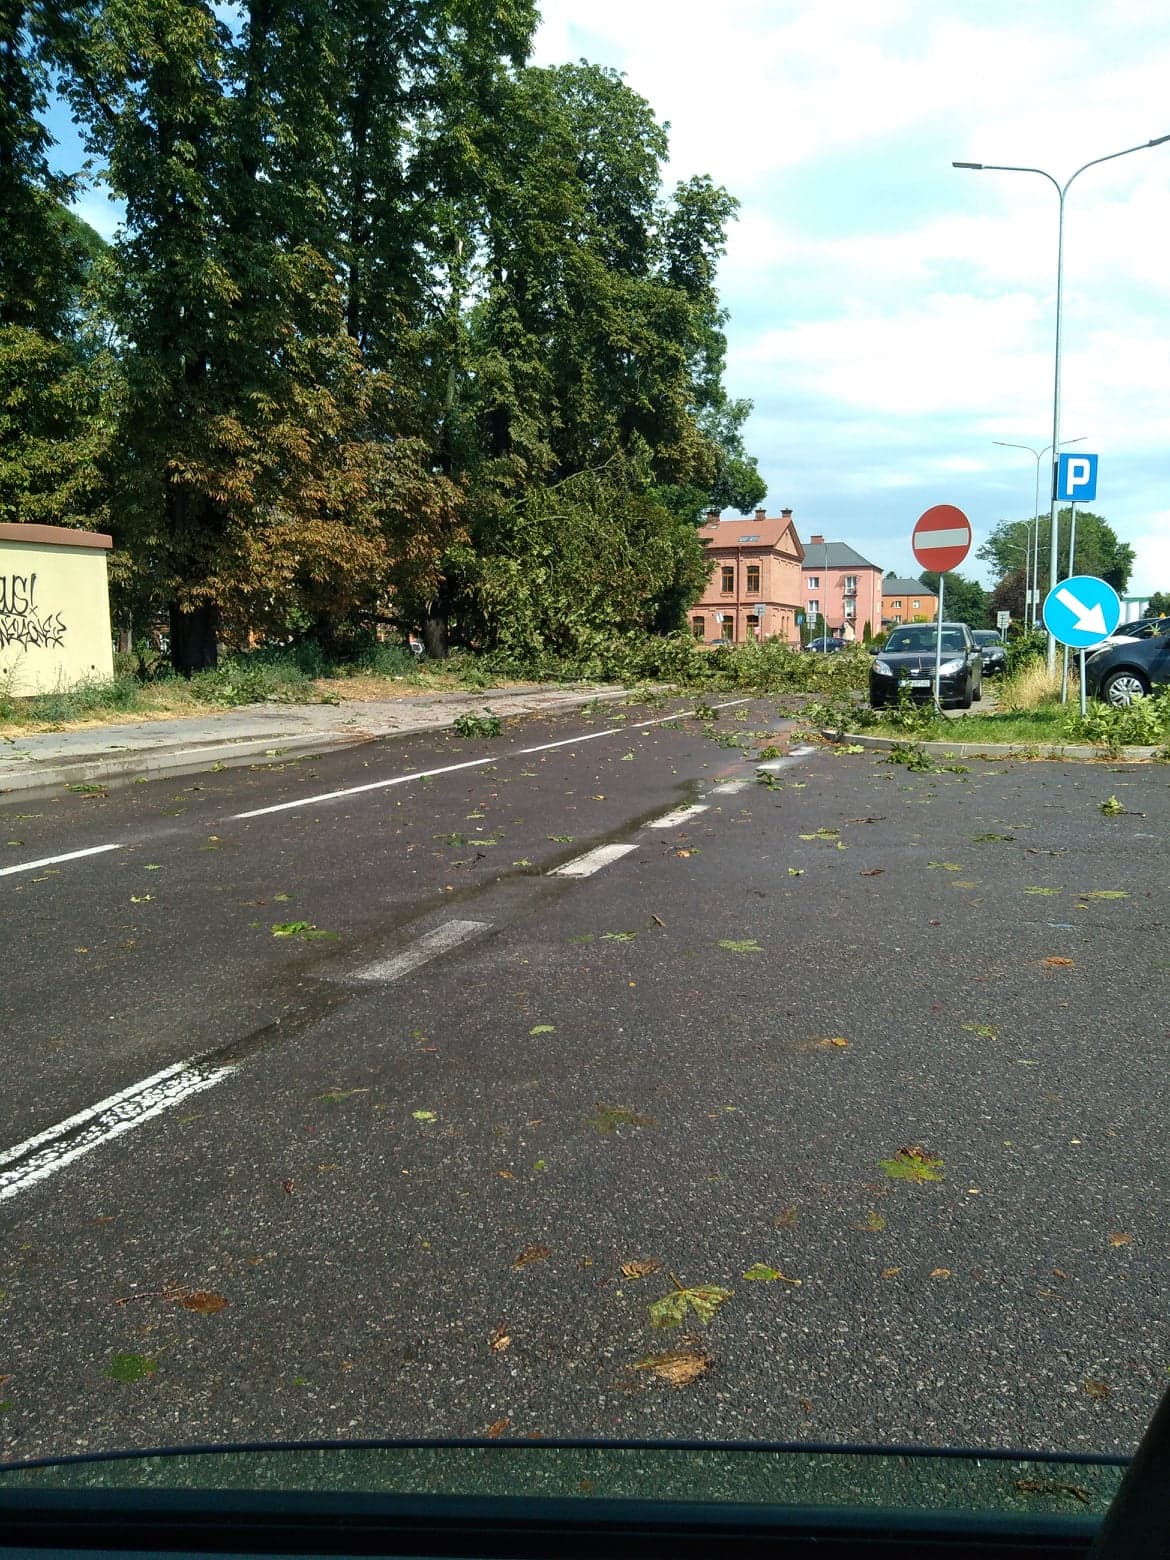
<point>907,661</point>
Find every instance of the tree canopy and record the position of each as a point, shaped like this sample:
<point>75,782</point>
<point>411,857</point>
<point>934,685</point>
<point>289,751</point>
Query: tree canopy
<point>1097,549</point>
<point>395,327</point>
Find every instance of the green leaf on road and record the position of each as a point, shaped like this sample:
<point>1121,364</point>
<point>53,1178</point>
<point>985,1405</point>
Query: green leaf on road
<point>748,945</point>
<point>704,1300</point>
<point>873,1222</point>
<point>946,866</point>
<point>913,1164</point>
<point>770,1275</point>
<point>821,834</point>
<point>543,1029</point>
<point>984,1031</point>
<point>561,839</point>
<point>618,936</point>
<point>304,929</point>
<point>1110,807</point>
<point>1039,889</point>
<point>1104,893</point>
<point>423,1115</point>
<point>131,1367</point>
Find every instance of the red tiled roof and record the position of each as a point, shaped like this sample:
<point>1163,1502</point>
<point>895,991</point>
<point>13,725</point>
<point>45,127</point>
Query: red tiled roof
<point>752,532</point>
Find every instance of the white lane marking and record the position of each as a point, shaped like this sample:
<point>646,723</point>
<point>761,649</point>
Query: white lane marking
<point>356,790</point>
<point>592,861</point>
<point>684,815</point>
<point>51,861</point>
<point>729,787</point>
<point>41,1156</point>
<point>801,752</point>
<point>428,947</point>
<point>774,764</point>
<point>473,763</point>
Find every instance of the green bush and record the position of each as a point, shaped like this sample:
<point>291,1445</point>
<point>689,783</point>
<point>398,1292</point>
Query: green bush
<point>1144,723</point>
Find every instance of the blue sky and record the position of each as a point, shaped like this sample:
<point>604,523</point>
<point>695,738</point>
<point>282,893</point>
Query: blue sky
<point>891,316</point>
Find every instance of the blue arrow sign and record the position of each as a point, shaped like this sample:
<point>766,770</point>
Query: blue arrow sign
<point>1076,478</point>
<point>1081,611</point>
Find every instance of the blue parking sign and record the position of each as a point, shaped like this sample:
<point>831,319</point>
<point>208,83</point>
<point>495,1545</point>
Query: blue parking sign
<point>1076,478</point>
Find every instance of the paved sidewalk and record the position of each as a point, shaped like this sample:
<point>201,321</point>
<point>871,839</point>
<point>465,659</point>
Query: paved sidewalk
<point>253,733</point>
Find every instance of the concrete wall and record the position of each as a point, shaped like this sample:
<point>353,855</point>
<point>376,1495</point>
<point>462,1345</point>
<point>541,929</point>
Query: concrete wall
<point>54,608</point>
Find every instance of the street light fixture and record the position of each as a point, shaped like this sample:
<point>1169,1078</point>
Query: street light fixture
<point>1034,524</point>
<point>1061,191</point>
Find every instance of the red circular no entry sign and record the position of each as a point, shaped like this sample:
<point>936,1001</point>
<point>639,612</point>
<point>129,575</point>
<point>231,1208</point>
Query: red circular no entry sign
<point>942,538</point>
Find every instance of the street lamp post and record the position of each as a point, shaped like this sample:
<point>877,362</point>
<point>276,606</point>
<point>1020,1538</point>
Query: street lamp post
<point>1034,524</point>
<point>1061,191</point>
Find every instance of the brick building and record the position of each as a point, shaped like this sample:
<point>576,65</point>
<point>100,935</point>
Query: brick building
<point>753,591</point>
<point>907,601</point>
<point>843,587</point>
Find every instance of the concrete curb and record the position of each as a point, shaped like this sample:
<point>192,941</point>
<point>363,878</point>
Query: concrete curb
<point>204,752</point>
<point>1068,751</point>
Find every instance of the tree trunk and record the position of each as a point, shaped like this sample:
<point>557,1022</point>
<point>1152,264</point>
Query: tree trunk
<point>434,634</point>
<point>194,646</point>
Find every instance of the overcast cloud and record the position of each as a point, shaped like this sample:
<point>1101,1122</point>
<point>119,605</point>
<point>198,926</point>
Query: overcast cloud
<point>892,316</point>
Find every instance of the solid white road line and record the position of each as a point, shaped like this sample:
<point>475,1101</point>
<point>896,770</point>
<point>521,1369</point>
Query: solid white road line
<point>429,946</point>
<point>592,861</point>
<point>41,1156</point>
<point>51,861</point>
<point>473,763</point>
<point>672,820</point>
<point>729,787</point>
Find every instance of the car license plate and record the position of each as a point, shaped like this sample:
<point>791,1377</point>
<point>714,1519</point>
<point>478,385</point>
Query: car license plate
<point>920,682</point>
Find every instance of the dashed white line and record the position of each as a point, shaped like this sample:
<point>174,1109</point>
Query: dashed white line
<point>592,861</point>
<point>52,861</point>
<point>429,946</point>
<point>43,1155</point>
<point>729,787</point>
<point>672,820</point>
<point>473,763</point>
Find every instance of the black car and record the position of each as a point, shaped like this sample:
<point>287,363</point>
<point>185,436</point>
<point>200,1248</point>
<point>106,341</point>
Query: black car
<point>828,644</point>
<point>992,651</point>
<point>1121,673</point>
<point>907,661</point>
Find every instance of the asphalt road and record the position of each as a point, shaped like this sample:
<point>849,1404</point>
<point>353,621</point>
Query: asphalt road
<point>402,1130</point>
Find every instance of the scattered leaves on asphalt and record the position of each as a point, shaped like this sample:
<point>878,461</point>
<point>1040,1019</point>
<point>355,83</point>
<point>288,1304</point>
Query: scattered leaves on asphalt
<point>609,1117</point>
<point>1096,1389</point>
<point>499,1340</point>
<point>746,945</point>
<point>984,1031</point>
<point>821,834</point>
<point>891,1272</point>
<point>335,1095</point>
<point>640,1267</point>
<point>786,1218</point>
<point>1057,962</point>
<point>946,866</point>
<point>497,1428</point>
<point>1104,893</point>
<point>534,1253</point>
<point>940,1272</point>
<point>872,1223</point>
<point>704,1300</point>
<point>423,1115</point>
<point>543,1029</point>
<point>872,872</point>
<point>1119,1238</point>
<point>561,839</point>
<point>677,1367</point>
<point>618,936</point>
<point>1037,889</point>
<point>986,839</point>
<point>827,1042</point>
<point>913,1164</point>
<point>1111,807</point>
<point>1052,1487</point>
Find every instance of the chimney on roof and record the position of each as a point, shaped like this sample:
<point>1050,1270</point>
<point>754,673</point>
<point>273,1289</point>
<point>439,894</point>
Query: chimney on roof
<point>786,514</point>
<point>712,517</point>
<point>761,514</point>
<point>816,539</point>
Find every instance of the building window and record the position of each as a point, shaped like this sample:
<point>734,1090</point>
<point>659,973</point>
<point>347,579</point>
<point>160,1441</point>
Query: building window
<point>915,605</point>
<point>727,629</point>
<point>728,579</point>
<point>699,626</point>
<point>897,617</point>
<point>753,578</point>
<point>753,625</point>
<point>850,584</point>
<point>851,609</point>
<point>814,607</point>
<point>898,603</point>
<point>814,582</point>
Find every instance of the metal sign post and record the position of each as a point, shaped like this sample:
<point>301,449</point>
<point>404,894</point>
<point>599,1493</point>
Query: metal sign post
<point>938,645</point>
<point>941,539</point>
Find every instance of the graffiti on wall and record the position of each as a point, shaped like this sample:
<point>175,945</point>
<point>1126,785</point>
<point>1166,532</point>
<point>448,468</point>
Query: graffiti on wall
<point>22,621</point>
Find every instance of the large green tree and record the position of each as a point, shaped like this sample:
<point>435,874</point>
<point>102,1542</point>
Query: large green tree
<point>964,601</point>
<point>1099,550</point>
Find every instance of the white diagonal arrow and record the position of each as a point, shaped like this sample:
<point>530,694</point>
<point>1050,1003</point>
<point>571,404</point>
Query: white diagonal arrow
<point>1089,620</point>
